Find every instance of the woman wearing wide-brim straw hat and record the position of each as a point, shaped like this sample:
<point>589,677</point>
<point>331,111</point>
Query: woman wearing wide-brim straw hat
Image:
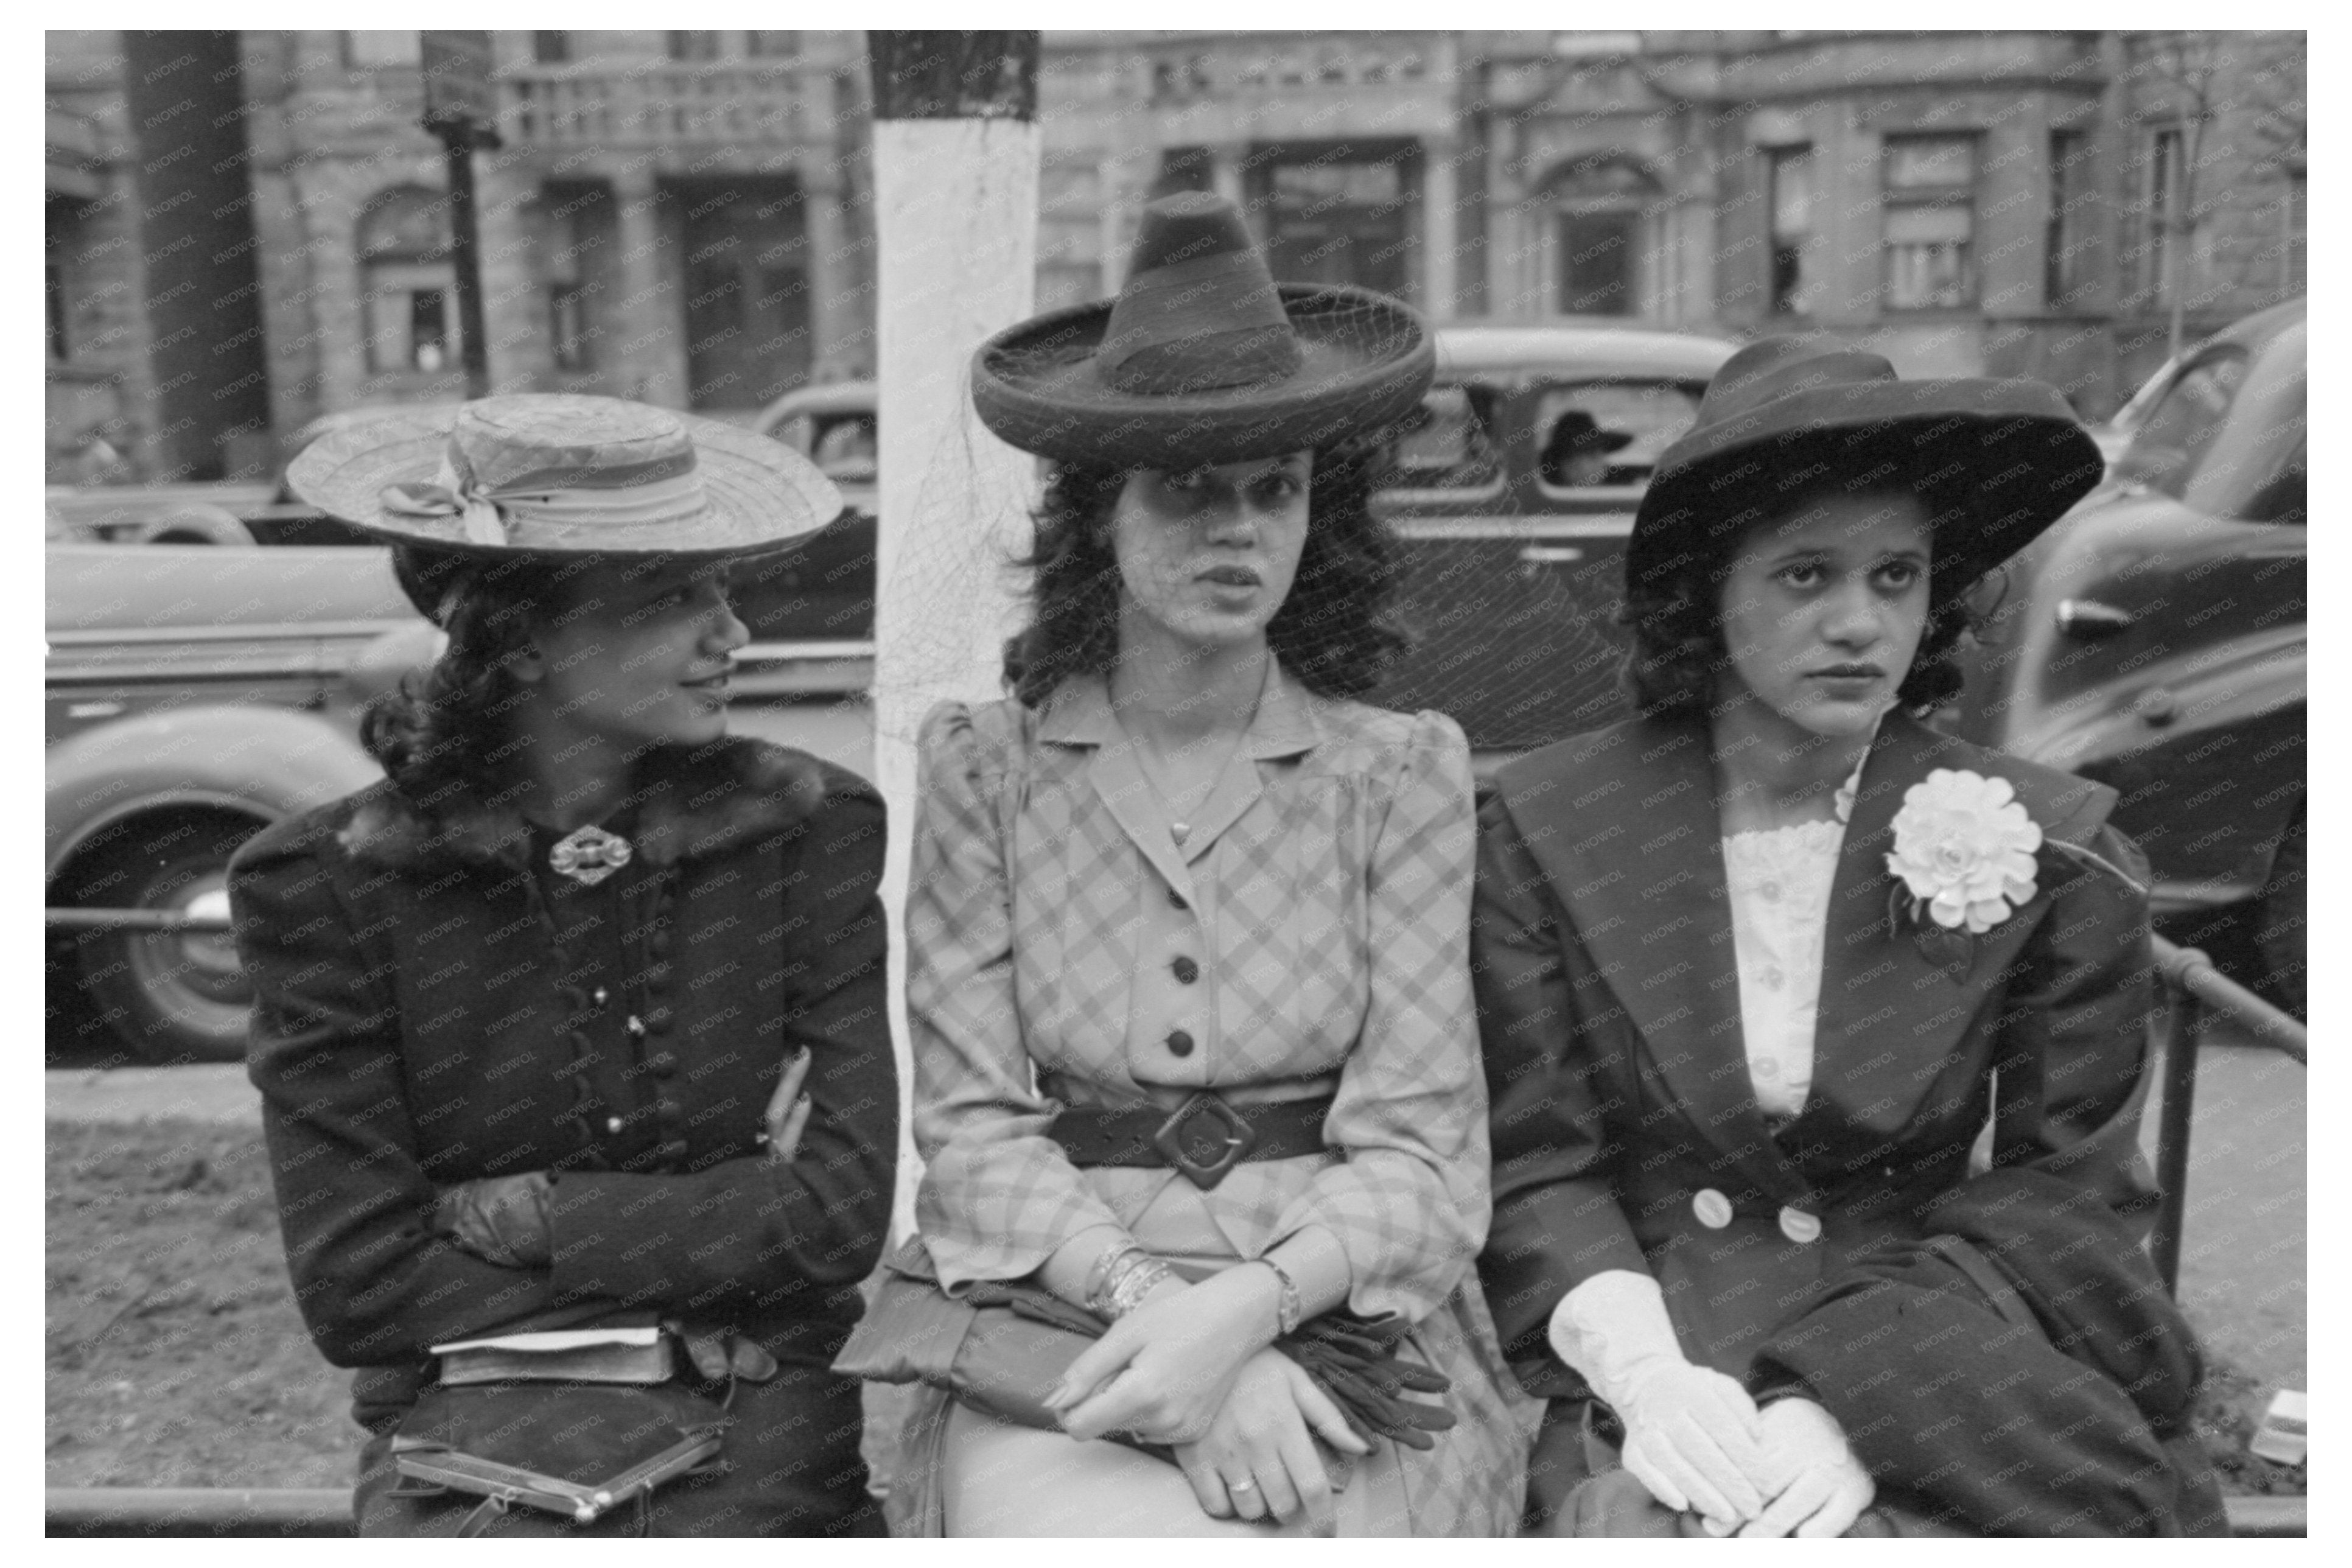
<point>1183,883</point>
<point>1755,969</point>
<point>574,1021</point>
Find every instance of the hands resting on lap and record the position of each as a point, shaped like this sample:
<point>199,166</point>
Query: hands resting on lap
<point>1698,1442</point>
<point>1190,1367</point>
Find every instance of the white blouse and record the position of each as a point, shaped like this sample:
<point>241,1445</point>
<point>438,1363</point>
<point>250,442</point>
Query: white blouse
<point>1778,882</point>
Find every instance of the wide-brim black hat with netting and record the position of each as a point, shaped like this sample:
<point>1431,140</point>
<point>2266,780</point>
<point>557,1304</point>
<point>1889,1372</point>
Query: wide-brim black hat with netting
<point>1202,358</point>
<point>1993,462</point>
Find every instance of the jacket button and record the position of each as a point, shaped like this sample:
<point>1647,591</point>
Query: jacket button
<point>674,1150</point>
<point>636,1027</point>
<point>1180,1042</point>
<point>1186,971</point>
<point>613,1124</point>
<point>661,1063</point>
<point>1713,1209</point>
<point>1800,1226</point>
<point>659,946</point>
<point>1177,899</point>
<point>601,997</point>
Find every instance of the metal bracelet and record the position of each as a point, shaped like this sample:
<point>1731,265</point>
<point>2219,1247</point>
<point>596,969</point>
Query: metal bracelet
<point>1133,1282</point>
<point>1097,1294</point>
<point>1289,1307</point>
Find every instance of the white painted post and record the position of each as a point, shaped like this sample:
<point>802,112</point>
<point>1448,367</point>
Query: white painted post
<point>955,204</point>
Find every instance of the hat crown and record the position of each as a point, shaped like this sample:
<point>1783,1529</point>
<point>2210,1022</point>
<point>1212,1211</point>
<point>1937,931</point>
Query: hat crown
<point>564,441</point>
<point>1200,309</point>
<point>1773,368</point>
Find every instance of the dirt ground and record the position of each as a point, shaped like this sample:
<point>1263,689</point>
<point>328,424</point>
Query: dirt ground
<point>175,1356</point>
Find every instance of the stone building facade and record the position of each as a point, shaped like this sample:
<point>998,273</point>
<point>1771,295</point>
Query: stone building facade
<point>682,216</point>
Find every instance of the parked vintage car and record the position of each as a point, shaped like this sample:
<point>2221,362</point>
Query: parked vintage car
<point>194,695</point>
<point>2155,639</point>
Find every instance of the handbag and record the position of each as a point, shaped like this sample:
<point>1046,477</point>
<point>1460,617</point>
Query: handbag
<point>579,1431</point>
<point>1003,1346</point>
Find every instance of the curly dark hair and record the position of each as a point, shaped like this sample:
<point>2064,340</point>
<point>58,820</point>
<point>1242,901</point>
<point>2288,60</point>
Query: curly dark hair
<point>1334,631</point>
<point>1678,650</point>
<point>445,727</point>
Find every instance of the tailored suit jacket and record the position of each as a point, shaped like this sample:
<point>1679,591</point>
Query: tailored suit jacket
<point>421,1020</point>
<point>1608,1007</point>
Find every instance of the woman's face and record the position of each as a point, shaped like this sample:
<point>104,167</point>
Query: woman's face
<point>638,654</point>
<point>1207,555</point>
<point>1823,609</point>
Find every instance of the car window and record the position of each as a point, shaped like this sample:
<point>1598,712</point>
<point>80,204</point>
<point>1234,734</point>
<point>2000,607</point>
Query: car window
<point>1609,432</point>
<point>2164,450</point>
<point>845,447</point>
<point>1448,444</point>
<point>2251,466</point>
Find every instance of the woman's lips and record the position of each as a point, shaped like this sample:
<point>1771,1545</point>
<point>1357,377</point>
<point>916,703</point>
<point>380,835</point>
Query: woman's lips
<point>1231,577</point>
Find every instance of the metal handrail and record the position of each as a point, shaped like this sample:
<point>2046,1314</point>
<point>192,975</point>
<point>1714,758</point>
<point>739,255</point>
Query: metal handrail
<point>69,919</point>
<point>198,1510</point>
<point>2193,984</point>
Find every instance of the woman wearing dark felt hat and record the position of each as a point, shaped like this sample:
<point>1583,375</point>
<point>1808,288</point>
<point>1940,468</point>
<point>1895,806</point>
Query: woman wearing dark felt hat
<point>573,1021</point>
<point>1756,968</point>
<point>1187,944</point>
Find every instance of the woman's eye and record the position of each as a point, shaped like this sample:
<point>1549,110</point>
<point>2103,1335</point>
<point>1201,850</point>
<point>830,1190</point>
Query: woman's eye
<point>1279,488</point>
<point>1185,483</point>
<point>1899,575</point>
<point>1804,574</point>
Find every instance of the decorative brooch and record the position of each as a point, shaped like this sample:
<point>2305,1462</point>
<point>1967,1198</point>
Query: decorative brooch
<point>589,854</point>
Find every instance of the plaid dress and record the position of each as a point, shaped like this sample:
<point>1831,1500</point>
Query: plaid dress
<point>1324,891</point>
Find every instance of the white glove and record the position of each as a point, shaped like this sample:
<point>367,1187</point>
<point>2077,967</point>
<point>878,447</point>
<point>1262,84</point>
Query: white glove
<point>1692,1435</point>
<point>1824,1486</point>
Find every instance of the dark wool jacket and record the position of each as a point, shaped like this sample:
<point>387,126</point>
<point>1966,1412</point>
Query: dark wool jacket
<point>419,1024</point>
<point>1624,1120</point>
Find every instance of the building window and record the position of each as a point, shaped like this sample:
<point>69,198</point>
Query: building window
<point>771,45</point>
<point>552,48</point>
<point>2065,231</point>
<point>381,49</point>
<point>2164,173</point>
<point>1338,215</point>
<point>1600,236</point>
<point>1930,222</point>
<point>695,47</point>
<point>408,281</point>
<point>567,326</point>
<point>1788,174</point>
<point>62,236</point>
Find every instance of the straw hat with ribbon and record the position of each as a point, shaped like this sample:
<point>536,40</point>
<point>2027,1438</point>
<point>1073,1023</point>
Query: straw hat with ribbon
<point>1202,358</point>
<point>1993,462</point>
<point>559,474</point>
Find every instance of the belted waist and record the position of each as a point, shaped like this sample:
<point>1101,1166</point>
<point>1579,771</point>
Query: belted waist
<point>1204,1138</point>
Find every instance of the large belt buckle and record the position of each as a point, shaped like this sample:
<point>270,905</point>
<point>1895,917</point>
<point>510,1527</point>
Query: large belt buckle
<point>1240,1139</point>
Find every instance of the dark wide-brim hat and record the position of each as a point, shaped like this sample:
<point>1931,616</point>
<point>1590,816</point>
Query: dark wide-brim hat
<point>1993,462</point>
<point>560,474</point>
<point>1202,358</point>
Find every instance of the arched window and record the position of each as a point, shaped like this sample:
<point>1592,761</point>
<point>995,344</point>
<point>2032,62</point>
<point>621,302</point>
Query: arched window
<point>1606,211</point>
<point>408,280</point>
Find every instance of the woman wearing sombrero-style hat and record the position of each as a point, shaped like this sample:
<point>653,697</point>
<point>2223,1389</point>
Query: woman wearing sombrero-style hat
<point>569,1034</point>
<point>1756,969</point>
<point>1195,1066</point>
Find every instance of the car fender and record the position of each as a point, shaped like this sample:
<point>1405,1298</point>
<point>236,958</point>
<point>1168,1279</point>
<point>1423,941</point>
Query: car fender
<point>271,762</point>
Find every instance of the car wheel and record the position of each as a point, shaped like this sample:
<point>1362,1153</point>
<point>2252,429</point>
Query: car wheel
<point>2279,923</point>
<point>171,995</point>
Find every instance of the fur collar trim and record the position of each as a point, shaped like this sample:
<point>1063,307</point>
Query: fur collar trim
<point>691,804</point>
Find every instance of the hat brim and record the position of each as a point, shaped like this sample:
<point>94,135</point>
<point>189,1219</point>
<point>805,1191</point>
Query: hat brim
<point>764,495</point>
<point>1994,462</point>
<point>1366,360</point>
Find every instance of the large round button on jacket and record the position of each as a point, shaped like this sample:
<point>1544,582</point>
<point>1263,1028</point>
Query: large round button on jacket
<point>1800,1226</point>
<point>1180,1042</point>
<point>1713,1209</point>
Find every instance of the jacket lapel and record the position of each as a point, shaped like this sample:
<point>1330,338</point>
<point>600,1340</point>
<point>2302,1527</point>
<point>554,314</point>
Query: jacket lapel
<point>1893,1009</point>
<point>1630,834</point>
<point>1078,714</point>
<point>1283,726</point>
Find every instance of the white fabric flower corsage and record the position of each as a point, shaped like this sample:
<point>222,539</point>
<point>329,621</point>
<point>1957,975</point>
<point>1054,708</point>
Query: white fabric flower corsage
<point>1964,848</point>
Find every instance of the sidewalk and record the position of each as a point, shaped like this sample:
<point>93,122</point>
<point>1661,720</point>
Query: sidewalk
<point>215,1093</point>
